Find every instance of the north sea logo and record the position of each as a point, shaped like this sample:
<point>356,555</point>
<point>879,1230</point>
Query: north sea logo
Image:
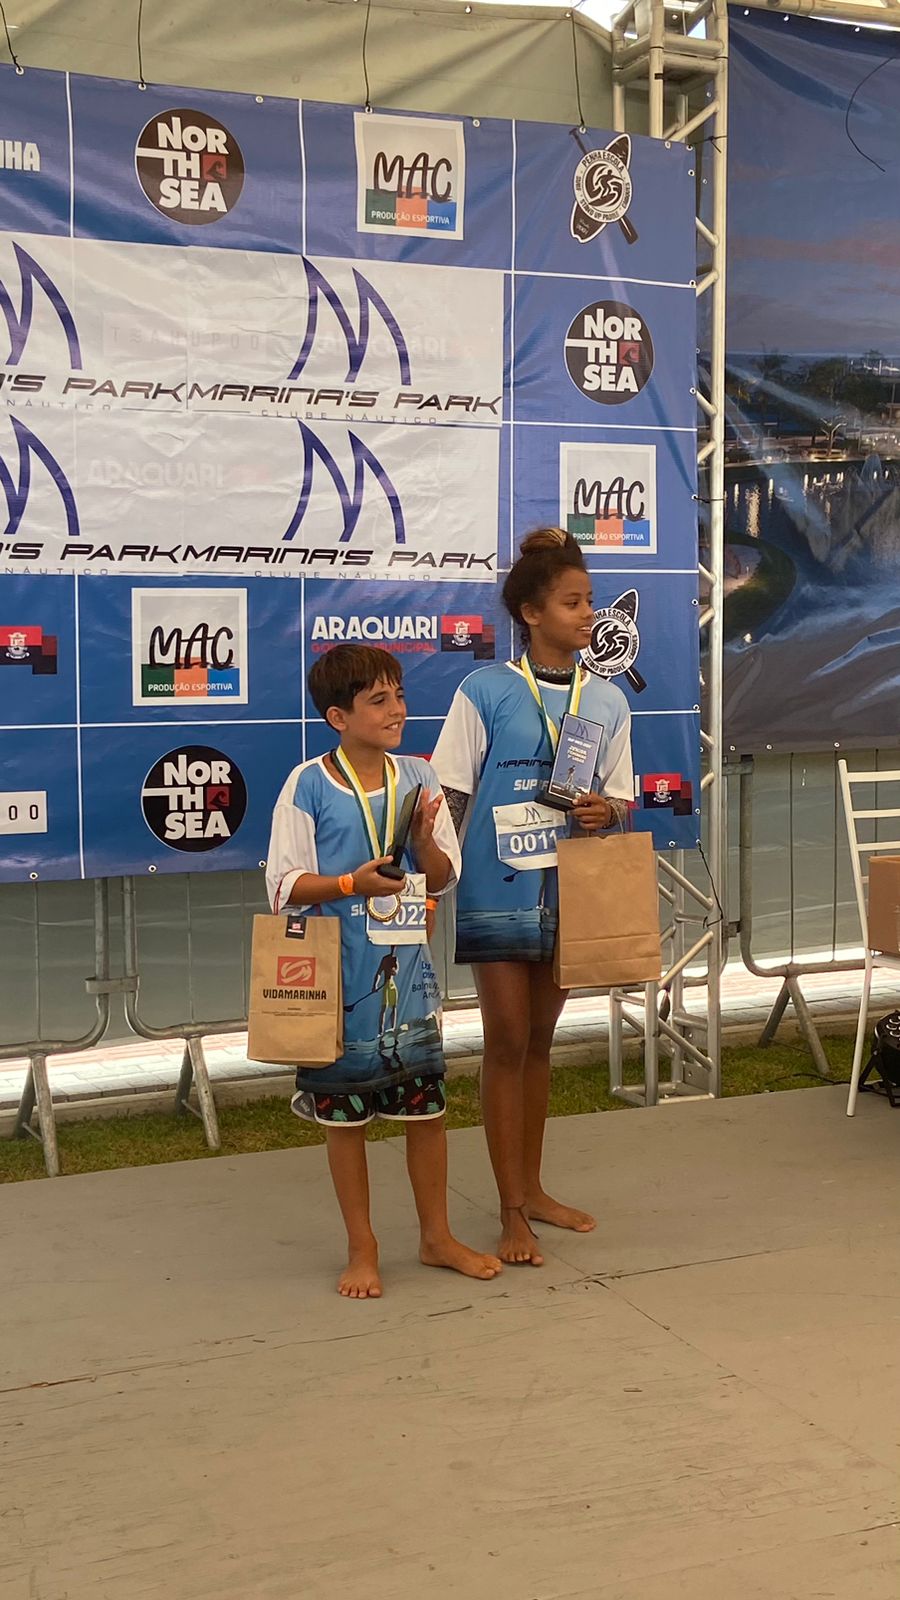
<point>615,642</point>
<point>194,798</point>
<point>190,166</point>
<point>603,190</point>
<point>609,352</point>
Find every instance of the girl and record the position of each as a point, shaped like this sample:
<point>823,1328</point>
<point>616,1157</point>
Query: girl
<point>493,757</point>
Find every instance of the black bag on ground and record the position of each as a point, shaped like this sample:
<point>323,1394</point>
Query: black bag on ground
<point>885,1059</point>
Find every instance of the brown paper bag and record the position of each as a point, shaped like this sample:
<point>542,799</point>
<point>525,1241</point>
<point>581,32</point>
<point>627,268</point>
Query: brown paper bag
<point>608,913</point>
<point>296,999</point>
<point>884,904</point>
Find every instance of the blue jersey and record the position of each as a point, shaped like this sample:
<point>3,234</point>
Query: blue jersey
<point>391,994</point>
<point>495,747</point>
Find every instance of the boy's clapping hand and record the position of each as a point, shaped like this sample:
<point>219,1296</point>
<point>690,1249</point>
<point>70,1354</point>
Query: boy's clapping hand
<point>422,829</point>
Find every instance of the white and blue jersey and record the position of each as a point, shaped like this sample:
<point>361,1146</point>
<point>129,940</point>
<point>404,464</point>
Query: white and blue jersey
<point>391,994</point>
<point>495,746</point>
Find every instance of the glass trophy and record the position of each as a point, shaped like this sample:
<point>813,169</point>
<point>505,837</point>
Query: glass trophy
<point>572,777</point>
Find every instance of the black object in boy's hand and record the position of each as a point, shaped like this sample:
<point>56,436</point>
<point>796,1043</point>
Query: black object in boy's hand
<point>392,869</point>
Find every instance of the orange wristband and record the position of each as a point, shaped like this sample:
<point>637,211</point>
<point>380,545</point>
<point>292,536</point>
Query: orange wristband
<point>431,905</point>
<point>345,884</point>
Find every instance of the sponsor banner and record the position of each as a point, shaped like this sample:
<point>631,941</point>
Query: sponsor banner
<point>133,493</point>
<point>317,337</point>
<point>636,620</point>
<point>620,354</point>
<point>177,166</point>
<point>215,310</point>
<point>23,811</point>
<point>177,805</point>
<point>93,325</point>
<point>39,800</point>
<point>606,487</point>
<point>37,650</point>
<point>34,151</point>
<point>607,496</point>
<point>147,626</point>
<point>610,205</point>
<point>410,175</point>
<point>102,325</point>
<point>346,216</point>
<point>666,752</point>
<point>188,646</point>
<point>438,633</point>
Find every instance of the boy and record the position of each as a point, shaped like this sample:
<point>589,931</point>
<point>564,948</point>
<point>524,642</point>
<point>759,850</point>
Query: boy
<point>332,829</point>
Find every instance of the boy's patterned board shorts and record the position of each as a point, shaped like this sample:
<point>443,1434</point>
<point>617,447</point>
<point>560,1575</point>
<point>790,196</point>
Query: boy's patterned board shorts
<point>412,1100</point>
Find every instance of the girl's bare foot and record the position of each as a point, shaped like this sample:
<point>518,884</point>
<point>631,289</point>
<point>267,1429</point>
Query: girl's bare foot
<point>542,1208</point>
<point>518,1242</point>
<point>360,1279</point>
<point>458,1257</point>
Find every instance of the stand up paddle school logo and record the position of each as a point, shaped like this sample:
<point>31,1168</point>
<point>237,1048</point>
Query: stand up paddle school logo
<point>410,175</point>
<point>615,642</point>
<point>603,190</point>
<point>194,798</point>
<point>189,166</point>
<point>609,352</point>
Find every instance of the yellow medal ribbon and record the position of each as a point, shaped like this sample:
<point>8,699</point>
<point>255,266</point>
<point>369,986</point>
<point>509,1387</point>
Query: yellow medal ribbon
<point>346,769</point>
<point>572,703</point>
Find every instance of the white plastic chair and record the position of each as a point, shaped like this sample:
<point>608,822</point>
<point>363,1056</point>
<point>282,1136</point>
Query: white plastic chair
<point>874,958</point>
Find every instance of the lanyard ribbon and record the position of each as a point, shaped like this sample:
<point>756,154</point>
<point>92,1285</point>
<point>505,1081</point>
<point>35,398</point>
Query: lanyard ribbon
<point>572,703</point>
<point>347,771</point>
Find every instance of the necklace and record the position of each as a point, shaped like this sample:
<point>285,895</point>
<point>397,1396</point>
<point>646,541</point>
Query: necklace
<point>554,674</point>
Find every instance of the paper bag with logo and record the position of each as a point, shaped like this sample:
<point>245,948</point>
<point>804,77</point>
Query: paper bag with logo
<point>608,913</point>
<point>296,1001</point>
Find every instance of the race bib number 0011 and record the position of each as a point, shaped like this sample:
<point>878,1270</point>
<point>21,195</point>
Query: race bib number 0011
<point>407,925</point>
<point>527,835</point>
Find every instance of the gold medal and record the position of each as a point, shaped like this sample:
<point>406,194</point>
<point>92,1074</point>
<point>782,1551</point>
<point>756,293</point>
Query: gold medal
<point>394,901</point>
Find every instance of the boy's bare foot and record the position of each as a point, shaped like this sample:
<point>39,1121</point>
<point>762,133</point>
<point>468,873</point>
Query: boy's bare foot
<point>542,1208</point>
<point>519,1243</point>
<point>458,1257</point>
<point>360,1279</point>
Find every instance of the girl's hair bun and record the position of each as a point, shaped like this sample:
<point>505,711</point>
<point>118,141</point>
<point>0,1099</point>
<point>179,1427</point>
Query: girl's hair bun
<point>545,539</point>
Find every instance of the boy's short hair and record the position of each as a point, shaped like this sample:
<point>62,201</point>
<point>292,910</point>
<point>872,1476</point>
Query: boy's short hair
<point>347,670</point>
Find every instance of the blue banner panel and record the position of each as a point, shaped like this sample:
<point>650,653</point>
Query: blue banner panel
<point>183,799</point>
<point>611,354</point>
<point>610,206</point>
<point>37,651</point>
<point>192,651</point>
<point>645,623</point>
<point>666,753</point>
<point>39,799</point>
<point>34,153</point>
<point>439,632</point>
<point>626,496</point>
<point>393,186</point>
<point>185,166</point>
